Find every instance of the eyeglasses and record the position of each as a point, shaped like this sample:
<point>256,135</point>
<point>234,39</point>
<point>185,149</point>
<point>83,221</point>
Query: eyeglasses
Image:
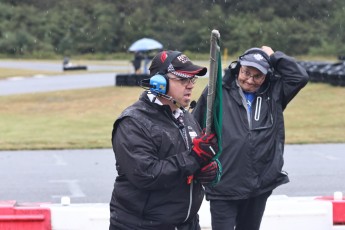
<point>256,77</point>
<point>185,81</point>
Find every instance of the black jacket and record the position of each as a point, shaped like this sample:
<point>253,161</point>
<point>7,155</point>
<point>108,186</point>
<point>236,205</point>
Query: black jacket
<point>153,163</point>
<point>253,147</point>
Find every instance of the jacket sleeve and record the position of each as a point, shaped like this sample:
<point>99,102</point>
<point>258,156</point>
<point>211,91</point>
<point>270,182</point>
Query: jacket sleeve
<point>199,112</point>
<point>293,76</point>
<point>137,158</point>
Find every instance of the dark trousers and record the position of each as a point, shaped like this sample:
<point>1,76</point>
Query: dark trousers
<point>238,214</point>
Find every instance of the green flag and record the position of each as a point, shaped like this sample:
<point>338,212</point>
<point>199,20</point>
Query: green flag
<point>218,117</point>
<point>218,107</point>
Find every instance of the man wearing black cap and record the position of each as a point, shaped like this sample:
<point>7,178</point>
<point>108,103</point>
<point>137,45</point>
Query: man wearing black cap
<point>158,145</point>
<point>256,90</point>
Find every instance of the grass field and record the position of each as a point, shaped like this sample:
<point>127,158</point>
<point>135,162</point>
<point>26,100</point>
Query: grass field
<point>83,118</point>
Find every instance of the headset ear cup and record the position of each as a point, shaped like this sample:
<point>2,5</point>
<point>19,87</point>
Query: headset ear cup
<point>234,67</point>
<point>269,73</point>
<point>159,83</point>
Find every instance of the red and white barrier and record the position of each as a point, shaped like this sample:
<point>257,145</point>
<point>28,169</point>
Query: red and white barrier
<point>24,216</point>
<point>338,207</point>
<point>282,212</point>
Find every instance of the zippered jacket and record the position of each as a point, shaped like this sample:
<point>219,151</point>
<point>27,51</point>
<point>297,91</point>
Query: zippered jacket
<point>153,161</point>
<point>253,143</point>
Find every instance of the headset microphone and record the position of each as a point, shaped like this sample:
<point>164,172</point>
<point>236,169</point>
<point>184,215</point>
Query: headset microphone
<point>170,99</point>
<point>192,105</point>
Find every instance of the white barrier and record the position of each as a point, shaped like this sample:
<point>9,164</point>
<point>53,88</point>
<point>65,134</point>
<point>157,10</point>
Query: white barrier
<point>286,213</point>
<point>79,216</point>
<point>282,212</point>
<point>303,213</point>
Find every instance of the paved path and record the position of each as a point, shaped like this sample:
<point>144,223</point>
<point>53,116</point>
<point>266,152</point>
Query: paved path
<point>54,83</point>
<point>314,170</point>
<point>57,67</point>
<point>42,83</point>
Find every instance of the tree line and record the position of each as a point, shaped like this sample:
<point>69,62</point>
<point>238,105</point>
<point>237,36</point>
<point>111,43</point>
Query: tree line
<point>64,27</point>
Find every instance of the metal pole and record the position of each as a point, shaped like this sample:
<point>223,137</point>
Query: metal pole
<point>214,51</point>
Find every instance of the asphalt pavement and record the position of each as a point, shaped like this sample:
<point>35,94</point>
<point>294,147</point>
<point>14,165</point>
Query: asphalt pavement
<point>57,67</point>
<point>54,83</point>
<point>87,176</point>
<point>43,83</point>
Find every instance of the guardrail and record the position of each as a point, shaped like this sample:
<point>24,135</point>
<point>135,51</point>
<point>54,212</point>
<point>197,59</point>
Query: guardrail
<point>325,72</point>
<point>130,79</point>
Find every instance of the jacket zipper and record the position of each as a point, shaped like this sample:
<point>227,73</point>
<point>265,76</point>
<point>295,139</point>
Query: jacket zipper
<point>257,109</point>
<point>185,138</point>
<point>243,98</point>
<point>191,184</point>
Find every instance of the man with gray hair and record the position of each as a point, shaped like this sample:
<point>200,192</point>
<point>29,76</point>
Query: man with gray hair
<point>256,90</point>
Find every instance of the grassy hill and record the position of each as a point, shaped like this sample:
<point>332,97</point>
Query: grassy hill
<point>78,119</point>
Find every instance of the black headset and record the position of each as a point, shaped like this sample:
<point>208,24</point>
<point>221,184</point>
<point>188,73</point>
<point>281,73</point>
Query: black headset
<point>159,82</point>
<point>235,66</point>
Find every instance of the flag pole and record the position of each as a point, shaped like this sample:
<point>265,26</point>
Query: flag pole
<point>211,96</point>
<point>214,51</point>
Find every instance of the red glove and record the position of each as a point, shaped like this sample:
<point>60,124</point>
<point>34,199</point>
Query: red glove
<point>204,148</point>
<point>208,173</point>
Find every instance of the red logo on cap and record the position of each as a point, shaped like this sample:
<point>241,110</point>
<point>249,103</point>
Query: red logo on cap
<point>164,56</point>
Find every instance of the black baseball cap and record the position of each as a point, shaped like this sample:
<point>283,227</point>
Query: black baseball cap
<point>180,66</point>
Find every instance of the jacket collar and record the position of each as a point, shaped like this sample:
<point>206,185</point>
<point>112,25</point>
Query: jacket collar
<point>158,106</point>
